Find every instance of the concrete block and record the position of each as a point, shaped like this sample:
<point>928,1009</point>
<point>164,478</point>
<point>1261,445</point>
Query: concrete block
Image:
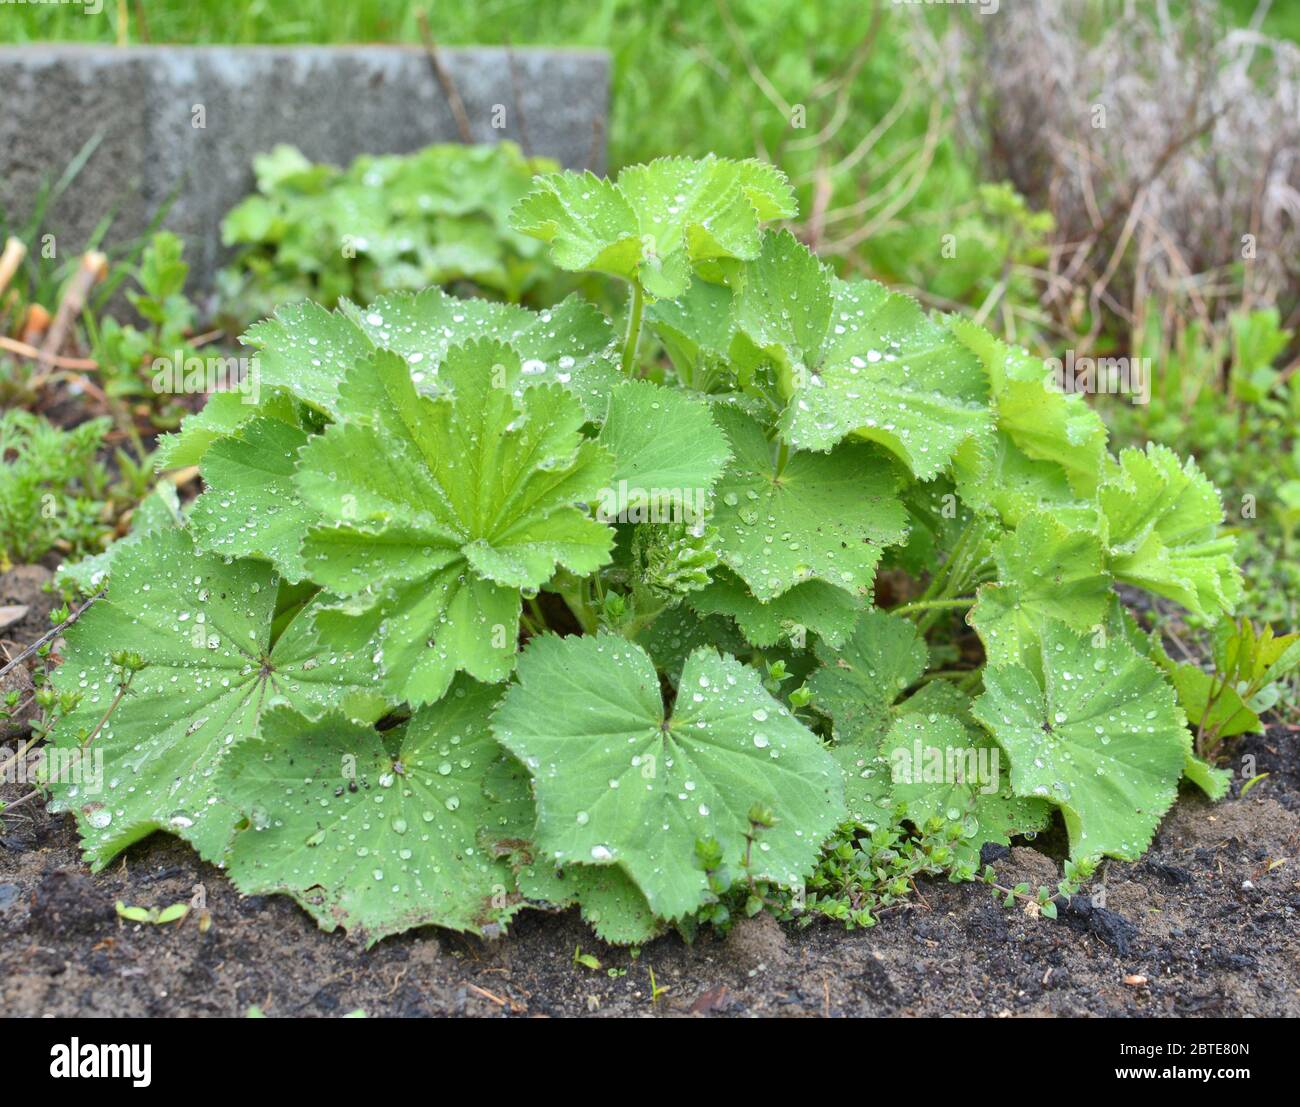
<point>145,104</point>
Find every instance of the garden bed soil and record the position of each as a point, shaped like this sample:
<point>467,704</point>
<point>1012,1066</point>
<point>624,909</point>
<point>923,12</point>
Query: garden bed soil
<point>1204,924</point>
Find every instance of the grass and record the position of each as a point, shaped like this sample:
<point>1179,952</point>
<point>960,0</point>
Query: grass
<point>677,68</point>
<point>689,76</point>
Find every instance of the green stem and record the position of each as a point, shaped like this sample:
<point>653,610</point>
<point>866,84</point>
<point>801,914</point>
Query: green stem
<point>572,594</point>
<point>931,605</point>
<point>633,338</point>
<point>940,581</point>
<point>631,629</point>
<point>959,572</point>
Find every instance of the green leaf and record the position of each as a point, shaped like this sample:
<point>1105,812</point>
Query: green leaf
<point>609,901</point>
<point>571,344</point>
<point>464,499</point>
<point>857,686</point>
<point>619,781</point>
<point>605,894</point>
<point>173,913</point>
<point>826,611</point>
<point>818,516</point>
<point>1212,781</point>
<point>132,914</point>
<point>376,833</point>
<point>941,769</point>
<point>586,219</point>
<point>671,560</point>
<point>696,328</point>
<point>203,627</point>
<point>223,414</point>
<point>1045,570</point>
<point>308,351</point>
<point>1258,657</point>
<point>679,632</point>
<point>285,163</point>
<point>157,511</point>
<point>787,300</point>
<point>1038,418</point>
<point>993,474</point>
<point>668,454</point>
<point>1229,715</point>
<point>859,359</point>
<point>251,507</point>
<point>658,221</point>
<point>1162,531</point>
<point>1100,734</point>
<point>162,272</point>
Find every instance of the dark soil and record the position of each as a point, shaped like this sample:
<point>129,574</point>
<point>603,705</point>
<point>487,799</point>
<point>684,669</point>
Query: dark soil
<point>1205,924</point>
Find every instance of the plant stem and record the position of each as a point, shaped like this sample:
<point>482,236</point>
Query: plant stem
<point>7,807</point>
<point>14,662</point>
<point>634,627</point>
<point>13,760</point>
<point>931,605</point>
<point>1207,744</point>
<point>572,594</point>
<point>122,690</point>
<point>633,338</point>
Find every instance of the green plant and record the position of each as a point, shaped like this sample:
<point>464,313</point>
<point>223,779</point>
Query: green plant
<point>1250,669</point>
<point>51,487</point>
<point>435,217</point>
<point>1221,395</point>
<point>47,268</point>
<point>130,358</point>
<point>418,654</point>
<point>47,263</point>
<point>153,916</point>
<point>1044,901</point>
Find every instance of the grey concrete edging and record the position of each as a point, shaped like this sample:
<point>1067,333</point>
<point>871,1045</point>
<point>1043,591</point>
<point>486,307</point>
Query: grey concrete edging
<point>333,103</point>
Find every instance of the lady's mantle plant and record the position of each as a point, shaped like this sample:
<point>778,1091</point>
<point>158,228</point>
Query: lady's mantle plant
<point>484,608</point>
